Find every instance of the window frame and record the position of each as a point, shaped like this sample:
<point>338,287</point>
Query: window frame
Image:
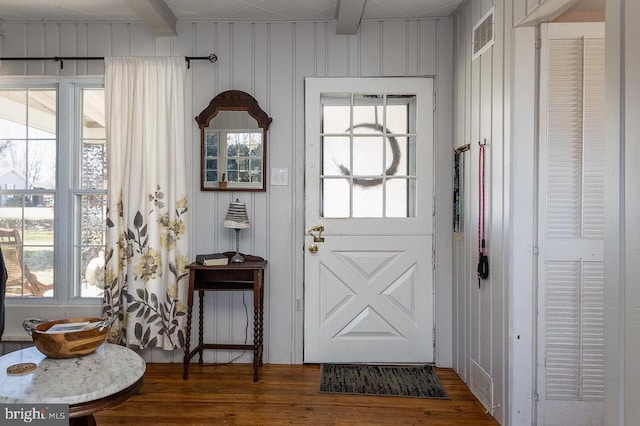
<point>66,218</point>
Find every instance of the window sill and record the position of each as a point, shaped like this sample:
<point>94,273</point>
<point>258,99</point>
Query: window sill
<point>15,338</point>
<point>15,315</point>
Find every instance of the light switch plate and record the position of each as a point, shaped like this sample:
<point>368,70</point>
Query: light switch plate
<point>279,177</point>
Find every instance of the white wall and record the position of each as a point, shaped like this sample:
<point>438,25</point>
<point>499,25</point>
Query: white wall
<point>269,61</point>
<point>482,111</point>
<point>622,189</point>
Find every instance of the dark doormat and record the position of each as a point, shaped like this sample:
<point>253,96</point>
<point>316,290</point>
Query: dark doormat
<point>417,381</point>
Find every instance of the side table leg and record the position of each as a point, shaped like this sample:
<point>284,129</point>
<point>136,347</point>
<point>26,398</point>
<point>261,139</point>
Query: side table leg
<point>256,340</point>
<point>260,327</point>
<point>185,367</point>
<point>201,324</point>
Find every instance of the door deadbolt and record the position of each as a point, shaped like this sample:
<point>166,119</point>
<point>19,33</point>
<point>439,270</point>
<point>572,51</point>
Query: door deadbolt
<point>316,238</point>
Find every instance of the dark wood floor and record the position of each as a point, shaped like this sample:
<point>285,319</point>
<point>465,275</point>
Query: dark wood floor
<point>285,394</point>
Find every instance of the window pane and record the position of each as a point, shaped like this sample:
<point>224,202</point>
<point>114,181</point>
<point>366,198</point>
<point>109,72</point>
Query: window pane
<point>211,149</point>
<point>256,170</point>
<point>244,156</point>
<point>367,201</point>
<point>13,164</point>
<point>41,114</point>
<point>367,156</point>
<point>94,148</point>
<point>93,272</point>
<point>336,155</point>
<point>11,212</point>
<point>94,165</point>
<point>255,144</point>
<point>38,238</point>
<point>397,118</point>
<point>90,208</point>
<point>38,270</point>
<point>368,112</point>
<point>41,169</point>
<point>211,144</point>
<point>398,192</point>
<point>243,168</point>
<point>28,154</point>
<point>29,266</point>
<point>336,113</point>
<point>91,245</point>
<point>93,114</point>
<point>397,156</point>
<point>38,221</point>
<point>94,212</point>
<point>335,198</point>
<point>13,114</point>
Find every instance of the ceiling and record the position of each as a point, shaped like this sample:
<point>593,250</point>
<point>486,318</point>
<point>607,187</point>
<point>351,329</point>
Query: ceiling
<point>217,10</point>
<point>161,16</point>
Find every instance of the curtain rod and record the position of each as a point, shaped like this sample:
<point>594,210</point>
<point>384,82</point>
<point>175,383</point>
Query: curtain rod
<point>211,58</point>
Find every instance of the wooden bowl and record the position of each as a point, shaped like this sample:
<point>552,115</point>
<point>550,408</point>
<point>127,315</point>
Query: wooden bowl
<point>68,344</point>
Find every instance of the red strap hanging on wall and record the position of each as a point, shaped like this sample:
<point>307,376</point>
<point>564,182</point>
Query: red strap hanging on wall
<point>483,260</point>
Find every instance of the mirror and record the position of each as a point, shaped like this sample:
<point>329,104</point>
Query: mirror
<point>233,143</point>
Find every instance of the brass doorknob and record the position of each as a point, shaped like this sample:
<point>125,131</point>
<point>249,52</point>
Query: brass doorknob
<point>313,249</point>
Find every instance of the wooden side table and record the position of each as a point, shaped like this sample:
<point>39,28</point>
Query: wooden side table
<point>232,277</point>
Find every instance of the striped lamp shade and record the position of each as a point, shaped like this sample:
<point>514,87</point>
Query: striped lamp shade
<point>237,216</point>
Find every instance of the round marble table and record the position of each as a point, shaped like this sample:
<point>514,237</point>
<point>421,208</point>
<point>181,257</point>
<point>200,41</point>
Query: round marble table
<point>102,379</point>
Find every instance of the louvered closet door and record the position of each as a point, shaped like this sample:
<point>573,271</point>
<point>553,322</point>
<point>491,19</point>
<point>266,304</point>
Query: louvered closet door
<point>571,258</point>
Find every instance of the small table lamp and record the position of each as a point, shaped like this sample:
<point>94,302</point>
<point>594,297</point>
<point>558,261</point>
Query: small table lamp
<point>237,219</point>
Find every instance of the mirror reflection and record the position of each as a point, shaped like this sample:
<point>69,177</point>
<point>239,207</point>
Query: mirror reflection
<point>233,150</point>
<point>233,137</point>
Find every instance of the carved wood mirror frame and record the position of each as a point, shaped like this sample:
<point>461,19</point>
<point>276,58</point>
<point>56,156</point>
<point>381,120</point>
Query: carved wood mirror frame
<point>211,177</point>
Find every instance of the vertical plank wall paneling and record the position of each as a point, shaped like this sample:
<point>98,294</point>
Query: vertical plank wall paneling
<point>395,62</point>
<point>462,249</point>
<point>305,38</point>
<point>622,343</point>
<point>501,142</point>
<point>481,112</point>
<point>370,46</point>
<point>472,235</point>
<point>283,208</point>
<point>443,167</point>
<point>268,60</point>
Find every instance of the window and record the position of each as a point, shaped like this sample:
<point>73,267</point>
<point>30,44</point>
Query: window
<point>53,177</point>
<point>368,155</point>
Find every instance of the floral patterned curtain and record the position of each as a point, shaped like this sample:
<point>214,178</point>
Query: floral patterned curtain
<point>146,280</point>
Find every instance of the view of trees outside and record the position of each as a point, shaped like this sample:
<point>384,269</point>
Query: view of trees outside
<point>244,156</point>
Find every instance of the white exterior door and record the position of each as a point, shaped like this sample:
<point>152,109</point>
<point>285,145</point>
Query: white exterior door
<point>571,232</point>
<point>369,184</point>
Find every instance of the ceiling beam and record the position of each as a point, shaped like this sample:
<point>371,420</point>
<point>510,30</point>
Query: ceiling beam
<point>156,15</point>
<point>349,14</point>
